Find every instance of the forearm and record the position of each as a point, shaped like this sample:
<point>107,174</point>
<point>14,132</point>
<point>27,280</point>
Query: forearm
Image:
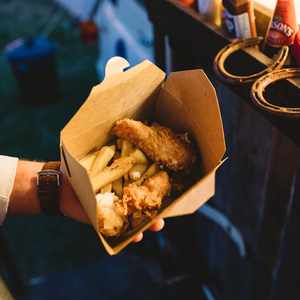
<point>24,199</point>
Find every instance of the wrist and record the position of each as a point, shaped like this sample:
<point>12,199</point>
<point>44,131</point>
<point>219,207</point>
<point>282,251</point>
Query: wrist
<point>24,198</point>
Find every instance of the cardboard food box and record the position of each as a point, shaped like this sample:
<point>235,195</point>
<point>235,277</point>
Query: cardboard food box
<point>185,101</point>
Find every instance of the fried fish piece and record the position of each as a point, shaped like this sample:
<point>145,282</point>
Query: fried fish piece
<point>146,197</point>
<point>159,143</point>
<point>111,222</point>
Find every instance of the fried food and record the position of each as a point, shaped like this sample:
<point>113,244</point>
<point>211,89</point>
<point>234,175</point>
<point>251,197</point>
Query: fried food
<point>137,203</point>
<point>152,170</point>
<point>116,170</point>
<point>130,175</point>
<point>103,157</point>
<point>146,197</point>
<point>117,187</point>
<point>126,148</point>
<point>106,189</point>
<point>88,160</point>
<point>111,222</point>
<point>137,171</point>
<point>139,156</point>
<point>159,143</point>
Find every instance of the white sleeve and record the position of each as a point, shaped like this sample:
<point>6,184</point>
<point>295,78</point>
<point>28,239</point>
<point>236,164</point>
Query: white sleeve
<point>8,167</point>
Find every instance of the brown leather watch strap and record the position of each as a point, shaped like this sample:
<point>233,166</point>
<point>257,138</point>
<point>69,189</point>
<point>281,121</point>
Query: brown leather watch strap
<point>49,181</point>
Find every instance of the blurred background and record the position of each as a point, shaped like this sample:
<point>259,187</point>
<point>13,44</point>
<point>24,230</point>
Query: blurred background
<point>57,258</point>
<point>67,44</point>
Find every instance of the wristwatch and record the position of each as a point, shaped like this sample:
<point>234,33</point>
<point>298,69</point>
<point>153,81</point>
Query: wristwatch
<point>49,182</point>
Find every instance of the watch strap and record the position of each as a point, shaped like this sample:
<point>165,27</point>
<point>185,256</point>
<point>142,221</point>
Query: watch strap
<point>48,186</point>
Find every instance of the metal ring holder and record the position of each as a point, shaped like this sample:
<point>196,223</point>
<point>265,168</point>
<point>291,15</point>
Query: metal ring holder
<point>242,44</point>
<point>260,85</point>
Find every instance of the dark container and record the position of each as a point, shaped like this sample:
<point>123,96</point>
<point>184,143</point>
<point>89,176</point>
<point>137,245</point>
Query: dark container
<point>33,63</point>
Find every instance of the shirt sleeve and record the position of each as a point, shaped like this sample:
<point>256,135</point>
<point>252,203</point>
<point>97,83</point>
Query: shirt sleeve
<point>8,167</point>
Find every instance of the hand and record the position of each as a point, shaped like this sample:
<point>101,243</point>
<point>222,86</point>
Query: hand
<point>71,207</point>
<point>157,226</point>
<point>24,199</point>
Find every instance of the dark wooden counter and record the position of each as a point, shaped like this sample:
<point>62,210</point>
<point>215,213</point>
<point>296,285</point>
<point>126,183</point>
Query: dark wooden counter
<point>197,43</point>
<point>258,187</point>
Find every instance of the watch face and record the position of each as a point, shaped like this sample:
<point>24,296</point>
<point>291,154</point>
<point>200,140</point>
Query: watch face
<point>49,176</point>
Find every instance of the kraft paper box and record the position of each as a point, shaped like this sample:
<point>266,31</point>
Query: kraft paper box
<point>185,101</point>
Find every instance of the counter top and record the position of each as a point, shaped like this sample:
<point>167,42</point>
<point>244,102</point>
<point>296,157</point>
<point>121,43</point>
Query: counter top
<point>201,40</point>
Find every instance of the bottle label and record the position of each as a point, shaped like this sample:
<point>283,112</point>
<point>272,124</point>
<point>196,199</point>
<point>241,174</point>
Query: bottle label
<point>284,25</point>
<point>278,25</point>
<point>238,25</point>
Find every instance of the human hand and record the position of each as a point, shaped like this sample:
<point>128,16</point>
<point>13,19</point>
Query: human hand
<point>24,198</point>
<point>71,207</point>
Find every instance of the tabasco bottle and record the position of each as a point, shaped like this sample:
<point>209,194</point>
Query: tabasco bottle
<point>283,26</point>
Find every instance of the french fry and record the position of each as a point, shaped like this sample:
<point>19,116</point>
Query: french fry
<point>102,159</point>
<point>137,171</point>
<point>106,189</point>
<point>115,171</point>
<point>117,155</point>
<point>88,160</point>
<point>152,170</point>
<point>117,187</point>
<point>127,148</point>
<point>126,178</point>
<point>119,144</point>
<point>139,156</point>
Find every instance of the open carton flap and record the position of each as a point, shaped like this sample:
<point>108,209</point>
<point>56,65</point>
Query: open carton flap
<point>188,102</point>
<point>120,96</point>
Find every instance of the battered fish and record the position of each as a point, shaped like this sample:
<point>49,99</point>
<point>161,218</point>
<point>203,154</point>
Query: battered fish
<point>146,197</point>
<point>159,143</point>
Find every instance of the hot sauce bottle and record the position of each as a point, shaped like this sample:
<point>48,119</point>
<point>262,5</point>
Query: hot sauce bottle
<point>282,28</point>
